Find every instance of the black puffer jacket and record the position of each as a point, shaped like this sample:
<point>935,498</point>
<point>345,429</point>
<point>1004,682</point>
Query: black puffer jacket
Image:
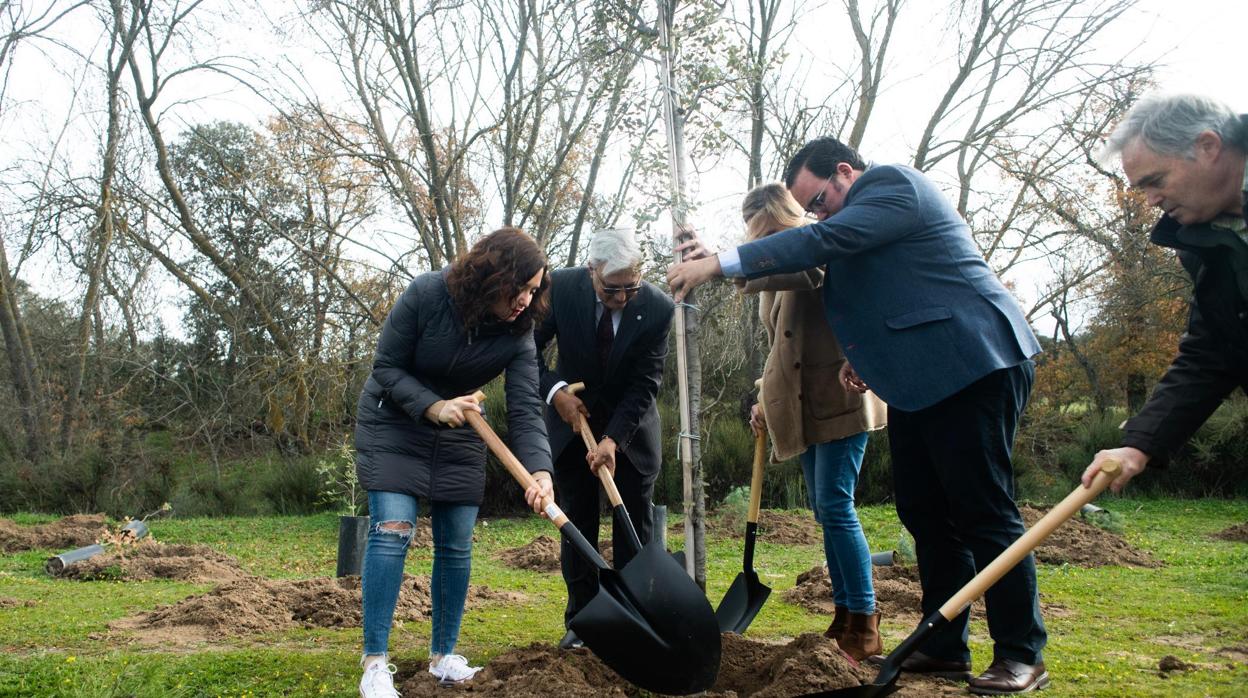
<point>425,355</point>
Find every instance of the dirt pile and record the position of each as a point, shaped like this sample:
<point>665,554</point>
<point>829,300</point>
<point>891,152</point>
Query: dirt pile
<point>149,559</point>
<point>541,555</point>
<point>1079,543</point>
<point>1238,533</point>
<point>256,605</point>
<point>897,592</point>
<point>10,602</point>
<point>748,668</point>
<point>779,527</point>
<point>69,532</point>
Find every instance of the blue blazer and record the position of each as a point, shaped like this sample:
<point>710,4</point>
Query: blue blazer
<point>920,313</point>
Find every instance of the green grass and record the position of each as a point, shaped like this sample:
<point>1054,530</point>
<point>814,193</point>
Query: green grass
<point>1121,621</point>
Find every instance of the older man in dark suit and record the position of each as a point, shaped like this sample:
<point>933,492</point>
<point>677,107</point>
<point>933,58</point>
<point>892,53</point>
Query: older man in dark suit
<point>610,329</point>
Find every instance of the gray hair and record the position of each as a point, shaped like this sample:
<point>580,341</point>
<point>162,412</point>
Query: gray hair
<point>614,249</point>
<point>1169,125</point>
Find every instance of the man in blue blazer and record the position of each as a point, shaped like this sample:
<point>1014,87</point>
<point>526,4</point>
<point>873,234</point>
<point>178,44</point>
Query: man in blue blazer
<point>930,328</point>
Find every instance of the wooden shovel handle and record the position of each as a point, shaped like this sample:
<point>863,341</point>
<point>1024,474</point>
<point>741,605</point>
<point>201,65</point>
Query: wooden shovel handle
<point>1014,554</point>
<point>756,474</point>
<point>604,475</point>
<point>756,478</point>
<point>509,460</point>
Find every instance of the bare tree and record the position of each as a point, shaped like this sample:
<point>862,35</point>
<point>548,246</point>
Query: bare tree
<point>122,21</point>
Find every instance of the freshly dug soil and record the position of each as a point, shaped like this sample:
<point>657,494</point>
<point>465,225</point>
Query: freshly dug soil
<point>149,559</point>
<point>1081,544</point>
<point>10,602</point>
<point>774,526</point>
<point>897,592</point>
<point>541,555</point>
<point>1237,533</point>
<point>64,534</point>
<point>1170,663</point>
<point>748,668</point>
<point>256,605</point>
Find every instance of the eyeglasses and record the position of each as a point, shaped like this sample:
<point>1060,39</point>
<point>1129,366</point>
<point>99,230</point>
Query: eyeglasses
<point>628,291</point>
<point>816,202</point>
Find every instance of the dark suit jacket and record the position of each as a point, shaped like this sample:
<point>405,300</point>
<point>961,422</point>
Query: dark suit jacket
<point>919,312</point>
<point>625,394</point>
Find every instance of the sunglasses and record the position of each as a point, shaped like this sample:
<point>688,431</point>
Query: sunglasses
<point>628,291</point>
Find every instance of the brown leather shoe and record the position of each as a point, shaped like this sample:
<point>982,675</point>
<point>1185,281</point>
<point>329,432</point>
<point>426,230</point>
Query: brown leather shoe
<point>1006,676</point>
<point>861,638</point>
<point>952,669</point>
<point>837,628</point>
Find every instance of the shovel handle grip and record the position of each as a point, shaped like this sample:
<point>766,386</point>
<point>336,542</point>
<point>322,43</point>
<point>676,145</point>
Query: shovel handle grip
<point>509,460</point>
<point>756,478</point>
<point>604,475</point>
<point>1022,547</point>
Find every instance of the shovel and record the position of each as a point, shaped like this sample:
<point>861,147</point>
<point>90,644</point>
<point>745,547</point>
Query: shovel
<point>649,621</point>
<point>886,680</point>
<point>747,594</point>
<point>604,476</point>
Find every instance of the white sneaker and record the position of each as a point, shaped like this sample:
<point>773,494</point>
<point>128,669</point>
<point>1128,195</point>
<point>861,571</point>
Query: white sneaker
<point>378,681</point>
<point>453,668</point>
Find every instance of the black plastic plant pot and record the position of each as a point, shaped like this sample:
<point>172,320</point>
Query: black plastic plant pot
<point>352,538</point>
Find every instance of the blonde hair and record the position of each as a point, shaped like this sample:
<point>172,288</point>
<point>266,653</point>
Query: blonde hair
<point>770,208</point>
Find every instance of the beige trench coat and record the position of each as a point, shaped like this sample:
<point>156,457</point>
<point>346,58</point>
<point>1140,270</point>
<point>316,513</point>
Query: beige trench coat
<point>802,397</point>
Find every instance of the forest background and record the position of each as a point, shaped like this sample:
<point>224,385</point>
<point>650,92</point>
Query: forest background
<point>208,207</point>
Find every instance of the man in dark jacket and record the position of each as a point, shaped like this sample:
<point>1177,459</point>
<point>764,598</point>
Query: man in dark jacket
<point>1188,155</point>
<point>611,329</point>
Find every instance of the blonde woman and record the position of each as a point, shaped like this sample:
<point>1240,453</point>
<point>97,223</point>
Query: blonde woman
<point>810,414</point>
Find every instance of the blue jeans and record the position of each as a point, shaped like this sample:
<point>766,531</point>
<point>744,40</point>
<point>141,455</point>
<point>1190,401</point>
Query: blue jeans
<point>831,472</point>
<point>383,567</point>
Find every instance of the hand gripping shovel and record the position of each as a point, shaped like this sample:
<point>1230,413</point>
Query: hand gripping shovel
<point>747,594</point>
<point>886,681</point>
<point>649,621</point>
<point>604,476</point>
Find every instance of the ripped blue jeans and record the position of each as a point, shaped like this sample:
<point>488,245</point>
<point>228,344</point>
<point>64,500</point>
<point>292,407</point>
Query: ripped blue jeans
<point>388,540</point>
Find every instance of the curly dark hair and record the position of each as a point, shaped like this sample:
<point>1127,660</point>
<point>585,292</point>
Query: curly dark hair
<point>497,268</point>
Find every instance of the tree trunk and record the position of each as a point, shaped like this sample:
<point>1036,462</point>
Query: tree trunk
<point>689,366</point>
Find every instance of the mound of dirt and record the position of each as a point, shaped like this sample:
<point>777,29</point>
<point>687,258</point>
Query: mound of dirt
<point>256,605</point>
<point>1081,544</point>
<point>748,668</point>
<point>10,602</point>
<point>69,532</point>
<point>1170,663</point>
<point>897,592</point>
<point>149,559</point>
<point>774,526</point>
<point>809,663</point>
<point>1237,533</point>
<point>541,555</point>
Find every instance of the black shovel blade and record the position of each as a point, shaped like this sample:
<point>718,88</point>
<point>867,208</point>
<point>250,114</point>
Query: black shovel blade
<point>652,624</point>
<point>743,601</point>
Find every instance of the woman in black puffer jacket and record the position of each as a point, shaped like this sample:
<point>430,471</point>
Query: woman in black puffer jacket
<point>450,333</point>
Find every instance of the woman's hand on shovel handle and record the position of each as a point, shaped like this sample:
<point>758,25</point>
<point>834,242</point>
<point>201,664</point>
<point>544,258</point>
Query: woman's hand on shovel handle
<point>1133,461</point>
<point>541,491</point>
<point>758,421</point>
